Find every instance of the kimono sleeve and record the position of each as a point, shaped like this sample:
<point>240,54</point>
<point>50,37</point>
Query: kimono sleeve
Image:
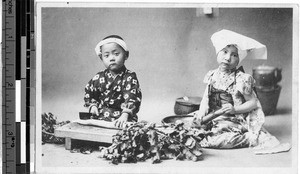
<point>91,92</point>
<point>204,107</point>
<point>208,76</point>
<point>203,110</point>
<point>132,94</point>
<point>245,84</point>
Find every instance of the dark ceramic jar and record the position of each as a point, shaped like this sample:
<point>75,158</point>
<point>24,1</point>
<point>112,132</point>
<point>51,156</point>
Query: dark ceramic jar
<point>269,99</point>
<point>266,76</point>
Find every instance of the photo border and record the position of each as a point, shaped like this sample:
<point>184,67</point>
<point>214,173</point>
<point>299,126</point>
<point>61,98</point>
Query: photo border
<point>37,166</point>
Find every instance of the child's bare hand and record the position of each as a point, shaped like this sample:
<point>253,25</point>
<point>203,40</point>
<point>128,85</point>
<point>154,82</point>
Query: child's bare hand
<point>228,108</point>
<point>121,120</point>
<point>94,110</point>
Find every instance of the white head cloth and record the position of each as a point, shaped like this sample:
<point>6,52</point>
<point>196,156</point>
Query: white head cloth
<point>247,47</point>
<point>110,40</point>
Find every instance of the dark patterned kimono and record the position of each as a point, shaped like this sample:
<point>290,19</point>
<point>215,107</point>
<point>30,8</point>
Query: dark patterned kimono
<point>114,95</point>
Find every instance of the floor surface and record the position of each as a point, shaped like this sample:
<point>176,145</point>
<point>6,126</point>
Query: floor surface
<point>280,125</point>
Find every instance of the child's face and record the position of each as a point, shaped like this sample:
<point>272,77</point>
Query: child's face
<point>113,56</point>
<point>228,58</point>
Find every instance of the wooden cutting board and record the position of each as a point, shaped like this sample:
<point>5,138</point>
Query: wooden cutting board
<point>78,131</point>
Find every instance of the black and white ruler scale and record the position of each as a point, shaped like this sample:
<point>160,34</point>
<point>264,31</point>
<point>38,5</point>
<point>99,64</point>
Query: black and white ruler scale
<point>18,56</point>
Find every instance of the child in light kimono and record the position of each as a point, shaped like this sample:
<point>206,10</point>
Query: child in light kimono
<point>113,94</point>
<point>229,101</point>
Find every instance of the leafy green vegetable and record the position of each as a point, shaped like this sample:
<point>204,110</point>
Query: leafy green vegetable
<point>49,123</point>
<point>141,141</point>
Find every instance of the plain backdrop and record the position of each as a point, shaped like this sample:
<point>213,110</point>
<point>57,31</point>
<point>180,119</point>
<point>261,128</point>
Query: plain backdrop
<point>170,50</point>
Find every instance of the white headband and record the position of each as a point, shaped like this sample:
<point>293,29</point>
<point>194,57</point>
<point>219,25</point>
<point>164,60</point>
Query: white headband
<point>110,40</point>
<point>247,47</point>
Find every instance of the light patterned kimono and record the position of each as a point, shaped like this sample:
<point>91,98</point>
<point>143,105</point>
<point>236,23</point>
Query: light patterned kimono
<point>239,130</point>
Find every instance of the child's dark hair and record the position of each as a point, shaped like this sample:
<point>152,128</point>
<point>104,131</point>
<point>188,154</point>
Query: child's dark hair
<point>118,37</point>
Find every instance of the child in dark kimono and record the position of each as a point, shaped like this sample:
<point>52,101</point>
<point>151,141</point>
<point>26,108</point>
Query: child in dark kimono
<point>229,101</point>
<point>113,94</point>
